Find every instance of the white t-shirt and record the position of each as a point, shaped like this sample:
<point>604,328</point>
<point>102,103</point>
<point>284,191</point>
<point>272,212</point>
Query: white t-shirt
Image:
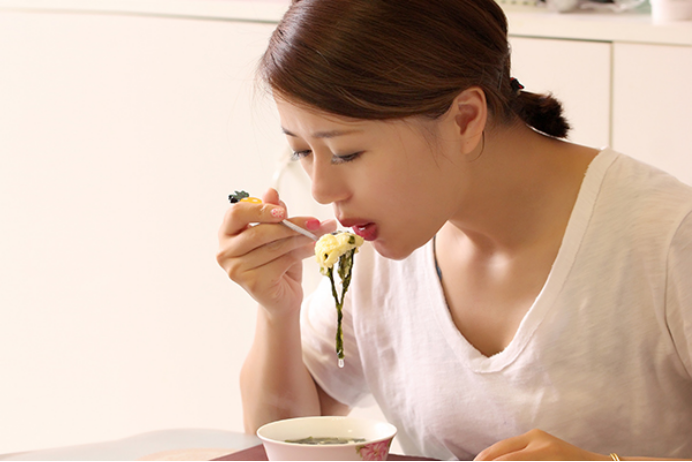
<point>603,358</point>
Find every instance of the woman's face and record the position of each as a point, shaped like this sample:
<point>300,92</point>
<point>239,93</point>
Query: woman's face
<point>393,182</point>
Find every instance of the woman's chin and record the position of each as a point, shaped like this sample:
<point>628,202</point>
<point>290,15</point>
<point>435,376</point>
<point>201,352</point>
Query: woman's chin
<point>389,252</point>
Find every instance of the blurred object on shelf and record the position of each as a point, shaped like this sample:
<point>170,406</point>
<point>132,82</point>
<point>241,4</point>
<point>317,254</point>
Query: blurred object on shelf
<point>667,11</point>
<point>617,6</point>
<point>519,2</point>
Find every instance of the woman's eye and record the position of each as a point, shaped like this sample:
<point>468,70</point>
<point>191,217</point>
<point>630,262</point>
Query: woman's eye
<point>297,155</point>
<point>346,158</point>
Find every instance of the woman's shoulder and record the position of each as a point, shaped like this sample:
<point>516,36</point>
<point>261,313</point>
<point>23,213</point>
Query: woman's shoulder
<point>636,198</point>
<point>641,176</point>
<point>632,184</point>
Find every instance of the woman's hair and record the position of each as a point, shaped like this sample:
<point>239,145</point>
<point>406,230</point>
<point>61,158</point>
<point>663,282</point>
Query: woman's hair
<point>390,59</point>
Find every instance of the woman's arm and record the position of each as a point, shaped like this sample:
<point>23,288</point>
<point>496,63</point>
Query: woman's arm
<point>274,382</point>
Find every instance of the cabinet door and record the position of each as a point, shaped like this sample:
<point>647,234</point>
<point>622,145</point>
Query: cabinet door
<point>577,73</point>
<point>652,105</point>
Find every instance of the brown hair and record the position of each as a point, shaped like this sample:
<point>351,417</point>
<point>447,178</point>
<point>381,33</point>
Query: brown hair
<point>389,59</point>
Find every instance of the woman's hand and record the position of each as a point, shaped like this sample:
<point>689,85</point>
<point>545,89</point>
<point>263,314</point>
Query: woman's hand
<point>536,445</point>
<point>266,259</point>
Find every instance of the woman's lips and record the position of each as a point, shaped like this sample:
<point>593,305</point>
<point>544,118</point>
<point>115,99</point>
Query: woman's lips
<point>366,230</point>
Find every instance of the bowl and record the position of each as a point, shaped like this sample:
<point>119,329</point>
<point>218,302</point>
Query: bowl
<point>356,438</point>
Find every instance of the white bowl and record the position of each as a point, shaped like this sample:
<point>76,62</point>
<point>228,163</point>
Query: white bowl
<point>377,437</point>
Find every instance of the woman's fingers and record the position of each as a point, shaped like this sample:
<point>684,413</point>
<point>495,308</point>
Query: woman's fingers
<point>261,244</point>
<point>503,448</point>
<point>242,255</point>
<point>241,215</point>
<point>271,196</point>
<point>536,445</point>
<point>252,237</point>
<point>268,276</point>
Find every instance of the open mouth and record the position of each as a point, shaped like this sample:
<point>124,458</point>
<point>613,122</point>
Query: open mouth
<point>367,231</point>
<point>361,227</point>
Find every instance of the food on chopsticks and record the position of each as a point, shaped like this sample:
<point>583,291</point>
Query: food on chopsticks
<point>330,249</point>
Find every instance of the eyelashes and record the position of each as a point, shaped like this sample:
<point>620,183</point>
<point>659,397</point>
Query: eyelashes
<point>347,158</point>
<point>298,155</point>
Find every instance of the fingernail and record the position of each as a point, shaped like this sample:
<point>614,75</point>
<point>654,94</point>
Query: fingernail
<point>278,213</point>
<point>313,224</point>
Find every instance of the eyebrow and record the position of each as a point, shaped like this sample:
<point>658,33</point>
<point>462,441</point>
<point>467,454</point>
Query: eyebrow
<point>325,134</point>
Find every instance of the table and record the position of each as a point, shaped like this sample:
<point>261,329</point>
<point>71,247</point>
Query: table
<point>169,444</point>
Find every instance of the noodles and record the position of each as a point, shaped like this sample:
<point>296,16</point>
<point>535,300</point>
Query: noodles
<point>332,248</point>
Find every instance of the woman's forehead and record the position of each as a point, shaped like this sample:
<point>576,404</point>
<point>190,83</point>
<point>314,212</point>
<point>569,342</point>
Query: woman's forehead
<point>299,119</point>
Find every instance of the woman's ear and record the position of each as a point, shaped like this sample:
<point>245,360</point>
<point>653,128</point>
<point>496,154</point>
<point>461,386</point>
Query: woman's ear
<point>470,113</point>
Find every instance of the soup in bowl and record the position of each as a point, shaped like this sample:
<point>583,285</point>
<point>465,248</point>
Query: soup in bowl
<point>327,438</point>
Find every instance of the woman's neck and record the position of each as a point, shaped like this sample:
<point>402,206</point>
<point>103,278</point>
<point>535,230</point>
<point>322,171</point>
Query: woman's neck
<point>521,190</point>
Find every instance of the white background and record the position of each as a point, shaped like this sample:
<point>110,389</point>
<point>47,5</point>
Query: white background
<point>120,139</point>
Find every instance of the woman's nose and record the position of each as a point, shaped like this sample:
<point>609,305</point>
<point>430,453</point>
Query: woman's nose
<point>327,184</point>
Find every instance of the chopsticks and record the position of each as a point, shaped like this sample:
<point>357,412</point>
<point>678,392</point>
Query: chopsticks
<point>298,229</point>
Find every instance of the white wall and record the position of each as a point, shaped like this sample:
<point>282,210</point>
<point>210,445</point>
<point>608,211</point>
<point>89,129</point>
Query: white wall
<point>120,138</point>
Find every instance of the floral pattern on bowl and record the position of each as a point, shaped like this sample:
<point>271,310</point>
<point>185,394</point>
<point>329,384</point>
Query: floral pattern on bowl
<point>374,451</point>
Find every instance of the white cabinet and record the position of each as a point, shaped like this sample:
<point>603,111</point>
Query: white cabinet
<point>624,81</point>
<point>652,105</point>
<point>577,73</point>
<point>634,97</point>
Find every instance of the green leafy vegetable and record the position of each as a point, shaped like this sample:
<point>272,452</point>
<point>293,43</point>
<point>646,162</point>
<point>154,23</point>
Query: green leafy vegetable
<point>345,272</point>
<point>237,196</point>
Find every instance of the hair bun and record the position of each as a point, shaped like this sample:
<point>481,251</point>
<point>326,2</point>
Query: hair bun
<point>542,112</point>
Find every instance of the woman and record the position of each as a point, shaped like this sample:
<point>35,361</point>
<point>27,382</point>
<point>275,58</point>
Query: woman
<point>521,296</point>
